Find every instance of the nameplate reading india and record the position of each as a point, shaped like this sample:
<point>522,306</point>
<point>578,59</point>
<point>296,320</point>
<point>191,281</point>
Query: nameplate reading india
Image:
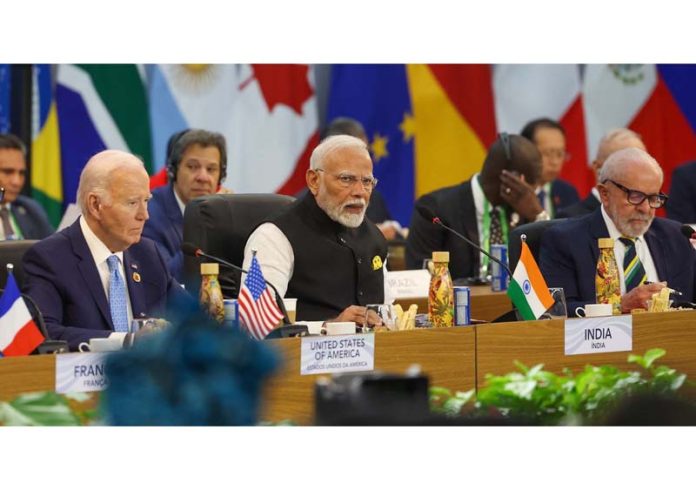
<point>337,354</point>
<point>80,372</point>
<point>599,334</point>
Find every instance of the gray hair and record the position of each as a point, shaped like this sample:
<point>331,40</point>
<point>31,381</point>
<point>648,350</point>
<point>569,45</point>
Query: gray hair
<point>331,144</point>
<point>96,176</point>
<point>612,138</point>
<point>619,162</point>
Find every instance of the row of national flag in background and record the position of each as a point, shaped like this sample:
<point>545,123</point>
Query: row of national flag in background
<point>428,125</point>
<point>267,114</point>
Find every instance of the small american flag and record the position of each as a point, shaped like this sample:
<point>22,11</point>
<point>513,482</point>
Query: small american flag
<point>258,310</point>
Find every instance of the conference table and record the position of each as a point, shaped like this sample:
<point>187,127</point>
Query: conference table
<point>457,358</point>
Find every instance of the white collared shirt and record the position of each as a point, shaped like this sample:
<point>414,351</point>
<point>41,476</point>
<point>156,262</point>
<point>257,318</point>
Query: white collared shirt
<point>479,203</point>
<point>100,253</point>
<point>642,250</point>
<point>181,204</point>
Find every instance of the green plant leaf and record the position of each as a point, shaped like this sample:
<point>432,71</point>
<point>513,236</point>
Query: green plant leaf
<point>44,408</point>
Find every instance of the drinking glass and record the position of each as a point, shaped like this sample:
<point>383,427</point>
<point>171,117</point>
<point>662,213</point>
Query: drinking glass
<point>381,316</point>
<point>558,308</point>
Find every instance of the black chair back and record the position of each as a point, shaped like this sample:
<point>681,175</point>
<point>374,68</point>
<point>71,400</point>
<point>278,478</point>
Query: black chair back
<point>220,225</point>
<point>534,232</point>
<point>11,252</point>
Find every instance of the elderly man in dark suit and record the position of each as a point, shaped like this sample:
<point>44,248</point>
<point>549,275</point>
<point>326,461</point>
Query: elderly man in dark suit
<point>614,140</point>
<point>92,278</point>
<point>483,208</point>
<point>651,250</point>
<point>20,217</point>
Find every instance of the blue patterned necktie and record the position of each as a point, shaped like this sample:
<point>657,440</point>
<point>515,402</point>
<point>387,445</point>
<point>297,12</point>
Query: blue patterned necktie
<point>634,272</point>
<point>542,198</point>
<point>117,296</point>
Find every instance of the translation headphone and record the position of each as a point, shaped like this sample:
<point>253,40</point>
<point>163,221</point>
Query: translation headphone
<point>176,149</point>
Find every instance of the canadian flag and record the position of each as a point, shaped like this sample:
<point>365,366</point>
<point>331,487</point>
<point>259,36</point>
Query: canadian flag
<point>267,113</point>
<point>526,92</point>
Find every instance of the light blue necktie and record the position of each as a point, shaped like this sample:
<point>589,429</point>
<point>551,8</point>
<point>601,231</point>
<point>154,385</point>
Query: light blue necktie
<point>117,296</point>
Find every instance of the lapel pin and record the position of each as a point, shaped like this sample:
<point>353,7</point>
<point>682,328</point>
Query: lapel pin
<point>136,277</point>
<point>134,266</point>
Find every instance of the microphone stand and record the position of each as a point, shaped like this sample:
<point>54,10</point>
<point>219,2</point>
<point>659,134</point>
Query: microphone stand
<point>288,329</point>
<point>437,221</point>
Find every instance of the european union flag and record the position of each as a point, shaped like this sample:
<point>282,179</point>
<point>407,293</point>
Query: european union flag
<point>378,97</point>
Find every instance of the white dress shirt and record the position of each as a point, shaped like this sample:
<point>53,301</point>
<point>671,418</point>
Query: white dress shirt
<point>100,253</point>
<point>642,250</point>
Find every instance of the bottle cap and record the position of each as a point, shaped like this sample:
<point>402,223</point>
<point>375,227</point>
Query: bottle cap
<point>210,268</point>
<point>606,243</point>
<point>440,256</point>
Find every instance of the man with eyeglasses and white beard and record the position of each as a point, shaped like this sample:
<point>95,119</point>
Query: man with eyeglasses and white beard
<point>321,249</point>
<point>650,252</point>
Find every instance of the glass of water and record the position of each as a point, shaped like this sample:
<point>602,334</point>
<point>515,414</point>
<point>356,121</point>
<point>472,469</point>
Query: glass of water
<point>558,308</point>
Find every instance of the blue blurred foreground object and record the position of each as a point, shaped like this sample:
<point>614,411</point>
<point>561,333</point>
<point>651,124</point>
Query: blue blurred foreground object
<point>194,373</point>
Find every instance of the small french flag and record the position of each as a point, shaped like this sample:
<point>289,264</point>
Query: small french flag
<point>19,335</point>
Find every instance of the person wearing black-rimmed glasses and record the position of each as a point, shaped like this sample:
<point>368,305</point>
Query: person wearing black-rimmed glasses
<point>650,252</point>
<point>321,249</point>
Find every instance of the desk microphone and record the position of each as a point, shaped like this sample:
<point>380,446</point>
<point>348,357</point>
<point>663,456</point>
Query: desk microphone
<point>429,215</point>
<point>689,231</point>
<point>193,251</point>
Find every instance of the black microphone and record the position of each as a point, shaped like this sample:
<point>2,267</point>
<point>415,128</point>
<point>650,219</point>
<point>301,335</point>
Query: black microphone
<point>2,194</point>
<point>430,215</point>
<point>689,231</point>
<point>193,251</point>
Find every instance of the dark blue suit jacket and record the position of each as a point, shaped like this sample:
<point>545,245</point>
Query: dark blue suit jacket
<point>166,228</point>
<point>31,218</point>
<point>61,276</point>
<point>681,205</point>
<point>563,194</point>
<point>569,253</point>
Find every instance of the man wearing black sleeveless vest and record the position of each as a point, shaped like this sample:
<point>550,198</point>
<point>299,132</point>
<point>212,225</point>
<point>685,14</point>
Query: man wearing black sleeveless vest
<point>321,250</point>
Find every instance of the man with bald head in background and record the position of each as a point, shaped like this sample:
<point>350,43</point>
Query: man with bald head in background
<point>613,140</point>
<point>321,249</point>
<point>649,249</point>
<point>483,208</point>
<point>92,278</point>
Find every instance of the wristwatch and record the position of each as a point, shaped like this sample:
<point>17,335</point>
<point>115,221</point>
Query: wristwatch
<point>543,216</point>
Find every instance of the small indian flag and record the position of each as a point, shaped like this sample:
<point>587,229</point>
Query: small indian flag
<point>528,290</point>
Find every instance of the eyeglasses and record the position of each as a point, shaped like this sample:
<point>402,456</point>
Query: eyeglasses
<point>349,180</point>
<point>637,197</point>
<point>555,154</point>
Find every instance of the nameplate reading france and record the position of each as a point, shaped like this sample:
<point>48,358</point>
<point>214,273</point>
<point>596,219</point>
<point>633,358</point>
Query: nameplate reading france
<point>598,334</point>
<point>338,354</point>
<point>80,372</point>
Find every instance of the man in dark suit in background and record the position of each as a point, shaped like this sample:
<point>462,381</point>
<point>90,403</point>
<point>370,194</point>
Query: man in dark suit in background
<point>482,208</point>
<point>21,217</point>
<point>682,194</point>
<point>549,137</point>
<point>196,164</point>
<point>92,278</point>
<point>648,248</point>
<point>613,140</point>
